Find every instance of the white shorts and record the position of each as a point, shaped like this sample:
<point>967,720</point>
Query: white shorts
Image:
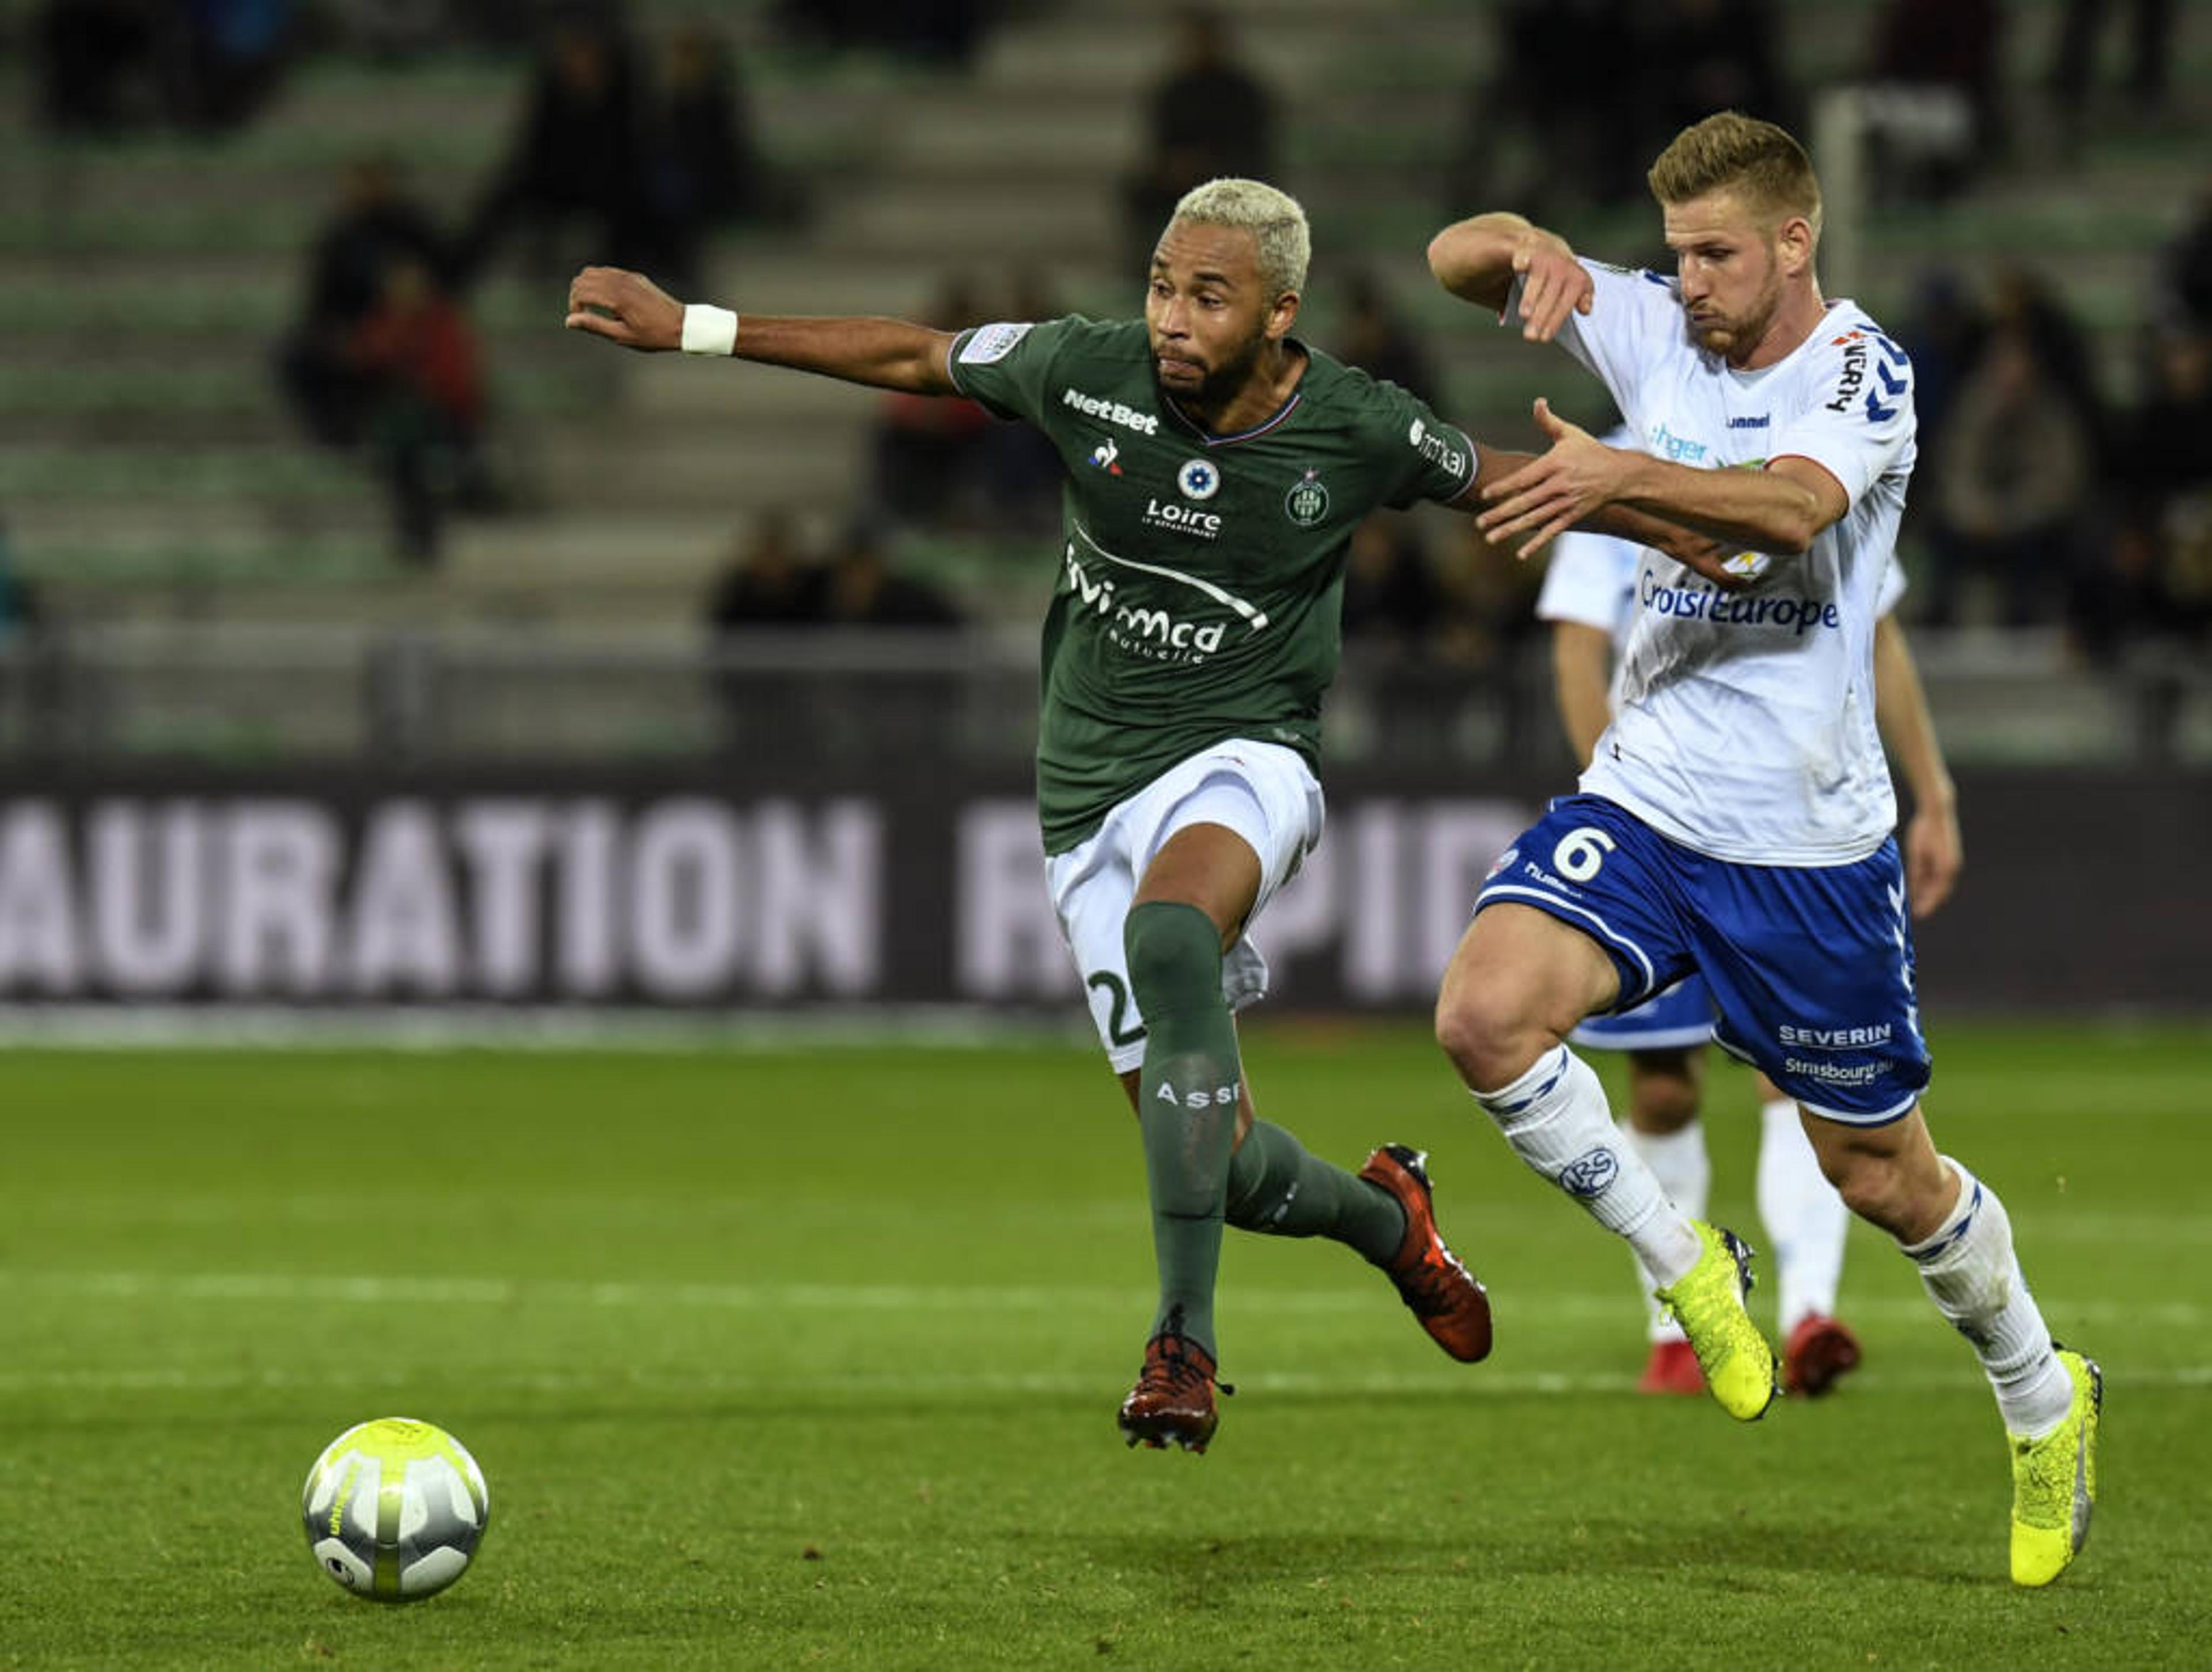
<point>1262,791</point>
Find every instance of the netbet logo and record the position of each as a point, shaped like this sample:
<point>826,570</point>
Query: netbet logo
<point>1111,411</point>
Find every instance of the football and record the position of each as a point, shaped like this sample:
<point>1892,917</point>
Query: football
<point>394,1509</point>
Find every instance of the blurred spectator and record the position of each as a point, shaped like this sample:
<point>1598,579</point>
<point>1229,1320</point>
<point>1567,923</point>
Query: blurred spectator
<point>1695,57</point>
<point>2074,55</point>
<point>427,420</point>
<point>1210,116</point>
<point>945,31</point>
<point>109,66</point>
<point>577,169</point>
<point>1391,596</point>
<point>2155,578</point>
<point>2185,271</point>
<point>1376,338</point>
<point>707,171</point>
<point>2020,300</point>
<point>1942,334</point>
<point>770,582</point>
<point>1936,114</point>
<point>377,224</point>
<point>864,590</point>
<point>2017,465</point>
<point>931,453</point>
<point>235,52</point>
<point>1554,126</point>
<point>105,65</point>
<point>1489,599</point>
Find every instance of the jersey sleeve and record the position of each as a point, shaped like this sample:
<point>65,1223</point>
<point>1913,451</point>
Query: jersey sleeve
<point>1634,318</point>
<point>1007,366</point>
<point>1589,580</point>
<point>1429,458</point>
<point>1859,419</point>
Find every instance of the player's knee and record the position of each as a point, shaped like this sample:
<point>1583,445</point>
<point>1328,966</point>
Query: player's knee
<point>1484,1026</point>
<point>1173,952</point>
<point>1875,1187</point>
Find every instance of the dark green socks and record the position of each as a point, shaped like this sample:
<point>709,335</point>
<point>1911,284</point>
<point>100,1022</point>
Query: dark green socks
<point>1276,1188</point>
<point>1186,1098</point>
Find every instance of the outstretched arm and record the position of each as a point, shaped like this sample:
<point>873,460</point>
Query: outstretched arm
<point>1934,851</point>
<point>630,309</point>
<point>1779,509</point>
<point>1686,546</point>
<point>1479,259</point>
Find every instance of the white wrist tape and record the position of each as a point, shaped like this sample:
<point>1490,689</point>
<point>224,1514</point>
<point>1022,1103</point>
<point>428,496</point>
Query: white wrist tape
<point>709,330</point>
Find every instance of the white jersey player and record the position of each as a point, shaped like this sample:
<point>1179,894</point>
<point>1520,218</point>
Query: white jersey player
<point>1736,818</point>
<point>1588,597</point>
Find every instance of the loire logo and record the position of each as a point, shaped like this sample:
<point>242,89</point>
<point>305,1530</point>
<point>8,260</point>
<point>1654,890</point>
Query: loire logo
<point>1112,411</point>
<point>1183,519</point>
<point>1198,479</point>
<point>1307,503</point>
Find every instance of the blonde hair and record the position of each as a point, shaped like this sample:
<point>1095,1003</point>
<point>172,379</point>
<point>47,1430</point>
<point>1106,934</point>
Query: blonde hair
<point>1274,219</point>
<point>1732,152</point>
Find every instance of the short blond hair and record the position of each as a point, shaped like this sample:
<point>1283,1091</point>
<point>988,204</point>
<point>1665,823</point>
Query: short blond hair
<point>1275,218</point>
<point>1732,152</point>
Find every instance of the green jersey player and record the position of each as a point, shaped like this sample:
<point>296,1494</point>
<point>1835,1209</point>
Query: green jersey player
<point>1216,467</point>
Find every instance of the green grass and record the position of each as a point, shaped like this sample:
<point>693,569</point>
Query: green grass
<point>809,1358</point>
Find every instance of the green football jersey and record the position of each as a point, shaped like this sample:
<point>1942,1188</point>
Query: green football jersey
<point>1202,576</point>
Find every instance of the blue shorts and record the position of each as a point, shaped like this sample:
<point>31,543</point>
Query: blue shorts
<point>1810,967</point>
<point>1674,1020</point>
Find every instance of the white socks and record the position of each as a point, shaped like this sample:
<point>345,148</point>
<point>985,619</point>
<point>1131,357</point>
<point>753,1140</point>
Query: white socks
<point>1972,1274</point>
<point>1679,1161</point>
<point>1555,1117</point>
<point>1806,1220</point>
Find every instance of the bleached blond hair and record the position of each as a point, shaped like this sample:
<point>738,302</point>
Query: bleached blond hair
<point>1275,218</point>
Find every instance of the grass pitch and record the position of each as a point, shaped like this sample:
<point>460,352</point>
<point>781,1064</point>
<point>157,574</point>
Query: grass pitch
<point>809,1358</point>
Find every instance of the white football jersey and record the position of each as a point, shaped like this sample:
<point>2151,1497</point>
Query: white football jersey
<point>1744,724</point>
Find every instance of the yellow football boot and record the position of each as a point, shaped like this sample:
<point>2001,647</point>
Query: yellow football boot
<point>2054,1481</point>
<point>1707,1301</point>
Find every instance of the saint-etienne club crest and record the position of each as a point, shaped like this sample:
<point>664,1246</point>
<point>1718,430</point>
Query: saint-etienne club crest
<point>1307,503</point>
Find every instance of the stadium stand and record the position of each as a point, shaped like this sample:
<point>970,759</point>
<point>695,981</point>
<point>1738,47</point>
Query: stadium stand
<point>150,473</point>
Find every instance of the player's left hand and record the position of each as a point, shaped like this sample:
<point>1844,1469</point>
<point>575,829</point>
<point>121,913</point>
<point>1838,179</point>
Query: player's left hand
<point>1558,488</point>
<point>1934,853</point>
<point>625,308</point>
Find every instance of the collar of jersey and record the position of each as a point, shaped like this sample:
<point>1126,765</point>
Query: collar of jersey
<point>1206,438</point>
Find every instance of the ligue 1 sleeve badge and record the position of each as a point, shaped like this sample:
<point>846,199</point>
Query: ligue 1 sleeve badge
<point>1307,503</point>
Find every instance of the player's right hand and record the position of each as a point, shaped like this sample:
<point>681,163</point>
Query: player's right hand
<point>625,308</point>
<point>1553,284</point>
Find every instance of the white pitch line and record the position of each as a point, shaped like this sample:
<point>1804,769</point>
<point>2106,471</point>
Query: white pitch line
<point>284,1287</point>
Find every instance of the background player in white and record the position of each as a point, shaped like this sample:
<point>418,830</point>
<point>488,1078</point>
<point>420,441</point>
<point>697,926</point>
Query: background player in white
<point>1737,818</point>
<point>1588,597</point>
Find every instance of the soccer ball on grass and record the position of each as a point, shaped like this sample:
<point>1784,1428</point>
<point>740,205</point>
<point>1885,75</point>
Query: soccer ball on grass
<point>394,1509</point>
